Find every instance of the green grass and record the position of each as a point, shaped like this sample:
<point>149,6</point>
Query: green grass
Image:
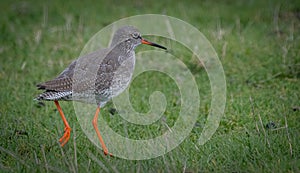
<point>258,44</point>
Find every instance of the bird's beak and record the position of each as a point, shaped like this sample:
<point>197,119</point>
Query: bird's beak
<point>152,44</point>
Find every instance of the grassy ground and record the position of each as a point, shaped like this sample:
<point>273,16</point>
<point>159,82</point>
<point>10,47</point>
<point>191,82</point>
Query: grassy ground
<point>257,41</point>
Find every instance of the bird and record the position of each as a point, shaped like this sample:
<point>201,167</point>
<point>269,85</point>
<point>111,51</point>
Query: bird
<point>112,69</point>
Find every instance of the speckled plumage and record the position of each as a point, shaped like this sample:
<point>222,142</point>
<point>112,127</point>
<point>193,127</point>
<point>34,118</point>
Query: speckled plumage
<point>112,68</point>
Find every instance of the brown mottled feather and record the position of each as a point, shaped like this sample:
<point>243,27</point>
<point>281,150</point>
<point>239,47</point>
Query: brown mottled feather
<point>64,81</point>
<point>103,64</point>
<point>58,84</point>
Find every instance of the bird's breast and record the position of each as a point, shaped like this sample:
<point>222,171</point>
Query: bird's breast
<point>123,74</point>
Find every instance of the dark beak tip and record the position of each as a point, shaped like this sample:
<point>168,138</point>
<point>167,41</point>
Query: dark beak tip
<point>153,44</point>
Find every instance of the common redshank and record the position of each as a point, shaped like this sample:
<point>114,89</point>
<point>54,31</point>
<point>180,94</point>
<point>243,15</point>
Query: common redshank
<point>116,63</point>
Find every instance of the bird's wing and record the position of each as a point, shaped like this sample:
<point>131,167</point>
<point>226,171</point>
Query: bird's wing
<point>58,84</point>
<point>80,74</point>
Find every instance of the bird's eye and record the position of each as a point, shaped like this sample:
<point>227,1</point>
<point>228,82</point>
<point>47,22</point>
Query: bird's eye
<point>135,35</point>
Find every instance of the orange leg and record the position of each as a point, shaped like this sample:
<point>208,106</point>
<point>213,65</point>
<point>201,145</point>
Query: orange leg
<point>64,139</point>
<point>95,124</point>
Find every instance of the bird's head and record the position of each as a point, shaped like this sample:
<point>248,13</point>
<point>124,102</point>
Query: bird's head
<point>132,37</point>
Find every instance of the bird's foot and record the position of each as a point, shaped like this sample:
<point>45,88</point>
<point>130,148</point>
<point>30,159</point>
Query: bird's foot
<point>65,138</point>
<point>107,153</point>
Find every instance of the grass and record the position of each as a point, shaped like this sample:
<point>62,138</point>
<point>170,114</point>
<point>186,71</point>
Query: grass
<point>257,42</point>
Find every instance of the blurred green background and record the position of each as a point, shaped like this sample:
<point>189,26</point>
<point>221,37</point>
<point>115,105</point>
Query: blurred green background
<point>258,43</point>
